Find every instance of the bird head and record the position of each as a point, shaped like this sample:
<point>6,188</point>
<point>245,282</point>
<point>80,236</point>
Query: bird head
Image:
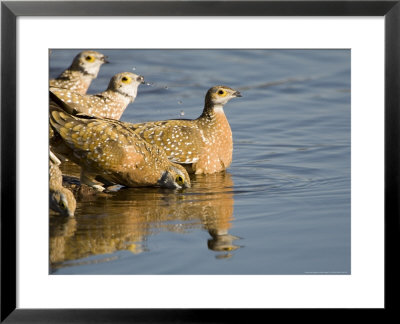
<point>63,201</point>
<point>89,62</point>
<point>220,95</point>
<point>175,177</point>
<point>126,83</point>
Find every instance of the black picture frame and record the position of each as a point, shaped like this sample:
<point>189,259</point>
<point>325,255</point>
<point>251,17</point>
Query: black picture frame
<point>10,10</point>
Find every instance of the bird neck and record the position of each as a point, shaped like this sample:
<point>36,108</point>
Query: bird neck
<point>77,75</point>
<point>120,94</point>
<point>211,111</point>
<point>80,69</point>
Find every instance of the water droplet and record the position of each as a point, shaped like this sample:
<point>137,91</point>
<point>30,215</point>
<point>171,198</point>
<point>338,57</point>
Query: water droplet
<point>134,68</point>
<point>151,84</point>
<point>180,102</point>
<point>166,87</point>
<point>182,113</point>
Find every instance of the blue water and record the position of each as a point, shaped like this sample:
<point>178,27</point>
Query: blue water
<point>283,207</point>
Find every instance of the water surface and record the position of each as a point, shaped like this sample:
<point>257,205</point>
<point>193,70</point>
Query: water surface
<point>283,207</point>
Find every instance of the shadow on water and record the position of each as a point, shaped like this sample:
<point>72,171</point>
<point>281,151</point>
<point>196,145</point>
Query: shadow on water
<point>126,219</point>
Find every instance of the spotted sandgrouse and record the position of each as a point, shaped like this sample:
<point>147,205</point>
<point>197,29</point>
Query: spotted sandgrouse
<point>79,75</point>
<point>203,145</point>
<point>109,152</point>
<point>111,103</point>
<point>61,200</point>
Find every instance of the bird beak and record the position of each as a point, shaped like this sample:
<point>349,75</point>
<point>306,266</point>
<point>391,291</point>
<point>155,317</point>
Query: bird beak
<point>141,79</point>
<point>237,94</point>
<point>105,59</point>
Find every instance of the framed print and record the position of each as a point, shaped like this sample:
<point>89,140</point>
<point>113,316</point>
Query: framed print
<point>279,192</point>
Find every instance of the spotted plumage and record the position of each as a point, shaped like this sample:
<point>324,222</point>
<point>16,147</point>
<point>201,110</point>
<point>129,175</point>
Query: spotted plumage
<point>111,103</point>
<point>61,200</point>
<point>109,152</point>
<point>79,75</point>
<point>203,145</point>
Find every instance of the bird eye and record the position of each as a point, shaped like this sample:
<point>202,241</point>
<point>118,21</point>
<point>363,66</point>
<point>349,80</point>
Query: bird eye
<point>126,80</point>
<point>179,180</point>
<point>221,92</point>
<point>89,58</point>
<point>63,205</point>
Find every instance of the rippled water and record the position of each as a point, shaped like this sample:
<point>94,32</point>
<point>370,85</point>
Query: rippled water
<point>283,207</point>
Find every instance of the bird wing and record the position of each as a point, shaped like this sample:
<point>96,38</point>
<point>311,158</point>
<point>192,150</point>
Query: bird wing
<point>181,139</point>
<point>99,144</point>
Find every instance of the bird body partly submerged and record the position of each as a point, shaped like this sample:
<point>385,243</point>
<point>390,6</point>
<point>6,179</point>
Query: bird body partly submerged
<point>107,149</point>
<point>204,144</point>
<point>61,200</point>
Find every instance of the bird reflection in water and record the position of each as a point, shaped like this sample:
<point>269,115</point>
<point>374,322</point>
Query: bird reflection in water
<point>124,220</point>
